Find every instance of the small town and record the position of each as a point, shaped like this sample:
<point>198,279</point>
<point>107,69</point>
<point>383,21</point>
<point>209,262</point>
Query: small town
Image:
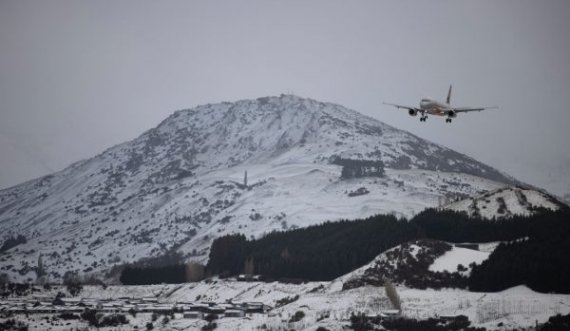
<point>190,310</point>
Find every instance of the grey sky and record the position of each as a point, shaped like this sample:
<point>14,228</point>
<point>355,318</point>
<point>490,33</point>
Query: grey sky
<point>77,77</point>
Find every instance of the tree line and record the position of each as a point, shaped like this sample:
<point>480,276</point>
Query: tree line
<point>320,252</point>
<point>539,260</point>
<point>359,168</point>
<point>11,242</point>
<point>326,251</point>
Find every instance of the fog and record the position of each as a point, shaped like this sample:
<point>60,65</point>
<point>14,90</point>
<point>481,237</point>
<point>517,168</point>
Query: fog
<point>77,77</point>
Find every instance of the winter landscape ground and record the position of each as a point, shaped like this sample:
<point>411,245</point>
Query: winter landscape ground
<point>324,304</point>
<point>254,167</point>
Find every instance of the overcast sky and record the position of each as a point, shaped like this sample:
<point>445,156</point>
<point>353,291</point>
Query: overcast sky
<point>77,77</point>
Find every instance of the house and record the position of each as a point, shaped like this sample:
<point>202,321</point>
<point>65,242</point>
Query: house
<point>183,306</point>
<point>234,313</point>
<point>450,318</point>
<point>193,315</point>
<point>199,307</point>
<point>71,301</point>
<point>43,298</point>
<point>149,300</point>
<point>109,307</point>
<point>215,310</point>
<point>128,307</point>
<point>255,307</point>
<point>90,302</point>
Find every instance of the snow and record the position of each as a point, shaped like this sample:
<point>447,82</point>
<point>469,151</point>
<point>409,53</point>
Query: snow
<point>458,255</point>
<point>414,250</point>
<point>488,247</point>
<point>515,308</point>
<point>505,202</point>
<point>180,185</point>
<point>520,290</point>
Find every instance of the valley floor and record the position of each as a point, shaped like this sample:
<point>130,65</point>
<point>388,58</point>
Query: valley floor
<point>323,304</point>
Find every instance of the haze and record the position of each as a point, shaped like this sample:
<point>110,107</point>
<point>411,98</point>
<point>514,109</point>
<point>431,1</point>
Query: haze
<point>77,77</point>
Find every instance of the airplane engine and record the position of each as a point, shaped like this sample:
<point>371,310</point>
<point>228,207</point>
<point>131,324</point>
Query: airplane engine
<point>451,114</point>
<point>413,112</point>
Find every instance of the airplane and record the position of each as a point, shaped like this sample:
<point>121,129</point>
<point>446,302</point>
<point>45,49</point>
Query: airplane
<point>429,106</point>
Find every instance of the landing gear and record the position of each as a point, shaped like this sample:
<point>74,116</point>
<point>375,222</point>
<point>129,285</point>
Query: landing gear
<point>423,118</point>
<point>448,120</point>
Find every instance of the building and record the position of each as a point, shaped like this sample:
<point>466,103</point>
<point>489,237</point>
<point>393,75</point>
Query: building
<point>193,315</point>
<point>234,313</point>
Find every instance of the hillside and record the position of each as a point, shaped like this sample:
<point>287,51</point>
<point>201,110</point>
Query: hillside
<point>506,202</point>
<point>417,264</point>
<point>182,184</point>
<point>522,250</point>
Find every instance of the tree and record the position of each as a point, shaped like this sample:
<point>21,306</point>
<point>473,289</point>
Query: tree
<point>227,254</point>
<point>392,294</point>
<point>359,168</point>
<point>4,279</point>
<point>71,280</point>
<point>12,242</point>
<point>299,315</point>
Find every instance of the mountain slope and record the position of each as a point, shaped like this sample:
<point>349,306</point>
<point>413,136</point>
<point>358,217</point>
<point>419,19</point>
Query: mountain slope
<point>181,184</point>
<point>506,202</point>
<point>417,264</point>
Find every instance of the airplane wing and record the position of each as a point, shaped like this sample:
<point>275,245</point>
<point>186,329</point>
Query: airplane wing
<point>467,109</point>
<point>405,107</point>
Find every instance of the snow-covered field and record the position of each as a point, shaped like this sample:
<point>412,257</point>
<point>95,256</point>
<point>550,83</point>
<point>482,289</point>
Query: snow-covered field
<point>324,304</point>
<point>456,256</point>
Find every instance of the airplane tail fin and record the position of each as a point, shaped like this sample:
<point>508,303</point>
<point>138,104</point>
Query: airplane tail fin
<point>448,96</point>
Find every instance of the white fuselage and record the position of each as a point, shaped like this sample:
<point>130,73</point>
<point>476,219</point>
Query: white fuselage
<point>433,107</point>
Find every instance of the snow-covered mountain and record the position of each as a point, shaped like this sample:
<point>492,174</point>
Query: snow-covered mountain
<point>506,202</point>
<point>182,184</point>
